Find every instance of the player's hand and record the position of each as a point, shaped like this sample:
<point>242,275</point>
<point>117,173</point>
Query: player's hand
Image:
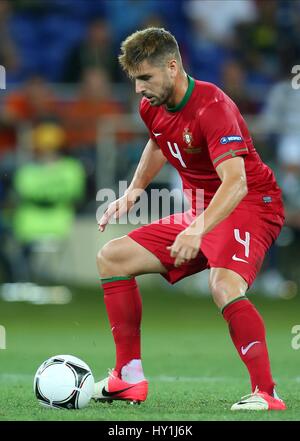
<point>116,209</point>
<point>186,246</point>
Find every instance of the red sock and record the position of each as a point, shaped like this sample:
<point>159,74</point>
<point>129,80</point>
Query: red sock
<point>246,328</point>
<point>124,308</point>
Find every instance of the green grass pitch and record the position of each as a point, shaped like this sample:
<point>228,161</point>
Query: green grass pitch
<point>194,371</point>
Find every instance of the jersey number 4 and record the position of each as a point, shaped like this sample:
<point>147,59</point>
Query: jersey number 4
<point>176,153</point>
<point>245,242</point>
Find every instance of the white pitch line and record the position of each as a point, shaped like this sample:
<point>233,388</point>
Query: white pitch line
<point>168,378</point>
<point>206,379</point>
<point>16,377</point>
<point>13,377</point>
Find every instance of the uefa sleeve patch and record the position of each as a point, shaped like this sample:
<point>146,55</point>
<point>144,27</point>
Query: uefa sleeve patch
<point>228,139</point>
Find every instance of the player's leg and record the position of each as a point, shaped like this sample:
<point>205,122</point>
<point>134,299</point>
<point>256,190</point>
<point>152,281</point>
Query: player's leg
<point>144,250</point>
<point>125,257</point>
<point>235,250</point>
<point>247,332</point>
<point>119,261</point>
<point>245,325</point>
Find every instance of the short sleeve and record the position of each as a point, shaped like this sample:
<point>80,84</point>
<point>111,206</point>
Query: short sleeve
<point>221,129</point>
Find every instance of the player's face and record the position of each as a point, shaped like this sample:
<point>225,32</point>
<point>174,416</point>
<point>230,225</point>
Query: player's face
<point>155,83</point>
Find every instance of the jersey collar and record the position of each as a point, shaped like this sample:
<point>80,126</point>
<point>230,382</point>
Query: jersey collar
<point>188,93</point>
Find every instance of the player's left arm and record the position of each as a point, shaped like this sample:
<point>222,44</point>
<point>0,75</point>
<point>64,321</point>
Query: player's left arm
<point>230,193</point>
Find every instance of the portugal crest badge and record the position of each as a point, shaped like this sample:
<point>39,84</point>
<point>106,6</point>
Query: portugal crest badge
<point>188,139</point>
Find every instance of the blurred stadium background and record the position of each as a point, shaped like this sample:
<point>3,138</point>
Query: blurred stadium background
<point>69,122</point>
<point>69,126</point>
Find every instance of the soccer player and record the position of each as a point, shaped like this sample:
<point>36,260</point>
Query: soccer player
<point>198,129</point>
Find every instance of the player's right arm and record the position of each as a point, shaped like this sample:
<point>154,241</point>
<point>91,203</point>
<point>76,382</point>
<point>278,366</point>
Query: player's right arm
<point>151,162</point>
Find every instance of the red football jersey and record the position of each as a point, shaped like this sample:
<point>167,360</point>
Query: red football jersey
<point>202,131</point>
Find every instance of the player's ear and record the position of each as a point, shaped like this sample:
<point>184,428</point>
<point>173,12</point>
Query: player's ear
<point>173,67</point>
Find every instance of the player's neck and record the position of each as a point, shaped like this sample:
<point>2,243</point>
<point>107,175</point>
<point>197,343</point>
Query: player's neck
<point>180,89</point>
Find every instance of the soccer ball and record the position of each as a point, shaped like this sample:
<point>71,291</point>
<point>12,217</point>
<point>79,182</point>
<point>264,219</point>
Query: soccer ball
<point>64,382</point>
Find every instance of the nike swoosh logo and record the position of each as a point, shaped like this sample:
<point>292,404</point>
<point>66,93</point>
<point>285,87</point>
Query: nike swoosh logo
<point>247,402</point>
<point>157,134</point>
<point>237,259</point>
<point>246,349</point>
<point>106,393</point>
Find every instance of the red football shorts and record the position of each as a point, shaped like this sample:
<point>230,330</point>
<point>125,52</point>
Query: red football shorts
<point>238,243</point>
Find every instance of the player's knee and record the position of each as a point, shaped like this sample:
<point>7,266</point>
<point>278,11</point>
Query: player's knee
<point>224,290</point>
<point>220,291</point>
<point>108,259</point>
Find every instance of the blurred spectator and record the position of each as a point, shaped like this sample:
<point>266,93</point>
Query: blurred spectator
<point>83,8</point>
<point>48,188</point>
<point>8,52</point>
<point>234,83</point>
<point>31,6</point>
<point>217,18</point>
<point>33,102</point>
<point>94,101</point>
<point>82,118</point>
<point>281,119</point>
<point>211,32</point>
<point>257,43</point>
<point>125,16</point>
<point>153,20</point>
<point>288,18</point>
<point>96,50</point>
<point>205,57</point>
<point>289,178</point>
